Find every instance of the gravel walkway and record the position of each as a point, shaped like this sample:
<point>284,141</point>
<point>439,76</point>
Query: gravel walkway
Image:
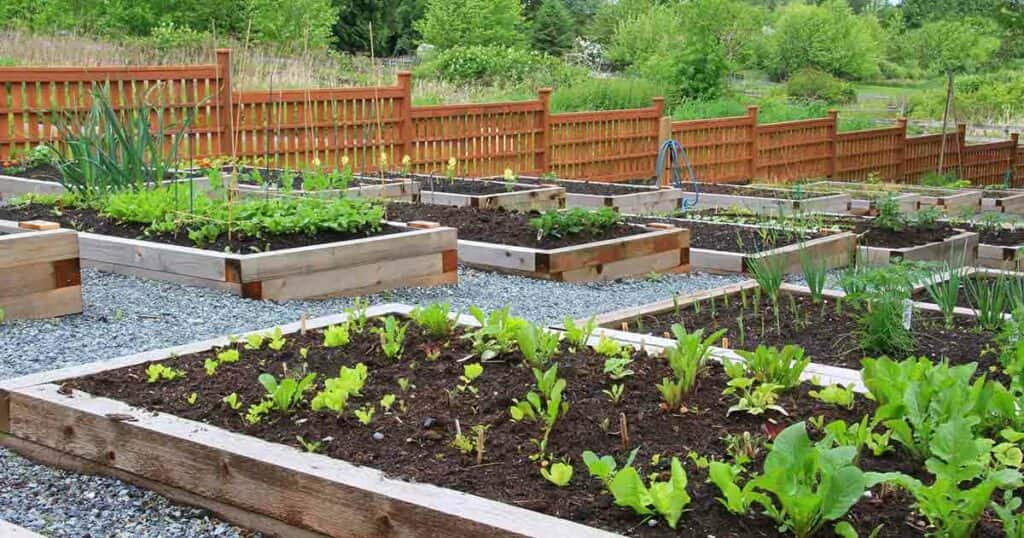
<point>125,315</point>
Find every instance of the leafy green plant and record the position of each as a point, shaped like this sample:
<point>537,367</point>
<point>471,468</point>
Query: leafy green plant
<point>233,401</point>
<point>889,215</point>
<point>497,334</point>
<point>578,335</point>
<point>558,474</point>
<point>835,394</point>
<point>387,401</point>
<point>336,335</point>
<point>470,372</point>
<point>257,411</point>
<point>544,405</point>
<point>963,486</point>
<point>254,341</point>
<point>365,414</point>
<point>537,344</point>
<point>357,314</point>
<point>617,368</point>
<point>576,221</point>
<point>859,435</point>
<point>615,392</point>
<point>158,372</point>
<point>770,365</point>
<point>338,390</point>
<point>288,392</point>
<point>803,486</point>
<point>309,446</point>
<point>277,340</point>
<point>434,319</point>
<point>686,359</point>
<point>392,337</point>
<point>603,467</point>
<point>1010,515</point>
<point>665,498</point>
<point>754,398</point>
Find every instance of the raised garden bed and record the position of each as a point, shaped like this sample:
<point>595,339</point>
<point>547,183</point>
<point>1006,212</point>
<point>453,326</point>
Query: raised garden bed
<point>1003,201</point>
<point>486,194</point>
<point>980,277</point>
<point>622,197</point>
<point>45,179</point>
<point>865,199</point>
<point>250,181</point>
<point>942,243</point>
<point>721,247</point>
<point>296,266</point>
<point>39,271</point>
<point>827,333</point>
<point>767,201</point>
<point>499,240</point>
<point>411,481</point>
<point>999,247</point>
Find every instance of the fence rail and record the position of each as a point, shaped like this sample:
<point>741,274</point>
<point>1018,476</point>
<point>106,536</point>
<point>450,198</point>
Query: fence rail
<point>378,126</point>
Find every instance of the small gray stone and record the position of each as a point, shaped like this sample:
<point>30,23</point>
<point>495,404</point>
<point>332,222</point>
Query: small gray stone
<point>377,436</point>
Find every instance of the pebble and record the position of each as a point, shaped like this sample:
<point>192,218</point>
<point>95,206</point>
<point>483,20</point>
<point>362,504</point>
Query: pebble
<point>125,315</point>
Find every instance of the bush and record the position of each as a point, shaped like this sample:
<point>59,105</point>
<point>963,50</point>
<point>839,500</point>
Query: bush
<point>605,94</point>
<point>829,37</point>
<point>462,23</point>
<point>497,65</point>
<point>814,85</point>
<point>990,97</point>
<point>552,28</point>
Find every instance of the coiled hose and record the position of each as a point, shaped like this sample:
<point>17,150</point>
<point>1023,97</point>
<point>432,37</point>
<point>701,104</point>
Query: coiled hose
<point>669,154</point>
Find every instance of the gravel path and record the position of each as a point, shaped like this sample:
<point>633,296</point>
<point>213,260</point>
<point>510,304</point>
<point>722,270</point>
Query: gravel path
<point>125,315</point>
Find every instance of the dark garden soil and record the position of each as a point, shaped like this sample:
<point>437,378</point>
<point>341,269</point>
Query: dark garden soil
<point>740,190</point>
<point>41,172</point>
<point>498,225</point>
<point>417,433</point>
<point>827,336</point>
<point>999,193</point>
<point>996,236</point>
<point>274,177</point>
<point>910,236</point>
<point>966,298</point>
<point>591,187</point>
<point>473,187</point>
<point>89,220</point>
<point>732,238</point>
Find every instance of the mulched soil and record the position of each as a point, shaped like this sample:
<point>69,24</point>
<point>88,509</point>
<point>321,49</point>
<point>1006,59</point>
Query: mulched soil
<point>740,190</point>
<point>418,432</point>
<point>274,176</point>
<point>590,187</point>
<point>473,187</point>
<point>827,337</point>
<point>89,220</point>
<point>998,236</point>
<point>497,225</point>
<point>42,172</point>
<point>965,299</point>
<point>731,238</point>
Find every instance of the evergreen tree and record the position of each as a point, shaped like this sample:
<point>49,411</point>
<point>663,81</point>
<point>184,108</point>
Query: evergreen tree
<point>552,28</point>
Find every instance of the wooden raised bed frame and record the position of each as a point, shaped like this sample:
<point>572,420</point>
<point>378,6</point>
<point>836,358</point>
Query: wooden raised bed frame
<point>13,186</point>
<point>834,203</point>
<point>538,197</point>
<point>417,257</point>
<point>951,201</point>
<point>1010,258</point>
<point>39,271</point>
<point>1013,204</point>
<point>960,248</point>
<point>834,251</point>
<point>660,249</point>
<point>261,485</point>
<point>645,201</point>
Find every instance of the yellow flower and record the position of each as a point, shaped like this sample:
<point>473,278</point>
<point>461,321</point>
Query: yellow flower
<point>383,159</point>
<point>316,162</point>
<point>406,160</point>
<point>344,160</point>
<point>451,163</point>
<point>509,174</point>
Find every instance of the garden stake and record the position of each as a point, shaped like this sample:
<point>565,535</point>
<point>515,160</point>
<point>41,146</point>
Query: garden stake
<point>624,431</point>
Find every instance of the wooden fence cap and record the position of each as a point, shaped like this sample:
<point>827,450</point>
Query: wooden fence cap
<point>424,224</point>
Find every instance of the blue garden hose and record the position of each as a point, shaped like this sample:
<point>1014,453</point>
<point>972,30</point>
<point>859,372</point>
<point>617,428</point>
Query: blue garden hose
<point>670,152</point>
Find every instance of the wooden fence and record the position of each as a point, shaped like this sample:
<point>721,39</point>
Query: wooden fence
<point>378,126</point>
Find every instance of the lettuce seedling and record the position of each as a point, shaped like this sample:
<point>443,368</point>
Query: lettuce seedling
<point>392,337</point>
<point>258,411</point>
<point>364,415</point>
<point>754,398</point>
<point>254,341</point>
<point>667,499</point>
<point>558,474</point>
<point>497,333</point>
<point>835,395</point>
<point>277,340</point>
<point>618,367</point>
<point>958,458</point>
<point>537,344</point>
<point>338,390</point>
<point>233,401</point>
<point>608,347</point>
<point>434,319</point>
<point>357,314</point>
<point>803,485</point>
<point>192,398</point>
<point>228,356</point>
<point>470,372</point>
<point>287,393</point>
<point>210,365</point>
<point>336,335</point>
<point>158,372</point>
<point>309,446</point>
<point>769,365</point>
<point>578,336</point>
<point>603,467</point>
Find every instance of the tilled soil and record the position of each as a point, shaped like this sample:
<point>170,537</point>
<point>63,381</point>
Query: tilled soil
<point>472,187</point>
<point>910,236</point>
<point>829,336</point>
<point>731,238</point>
<point>498,225</point>
<point>417,432</point>
<point>89,220</point>
<point>41,172</point>
<point>988,235</point>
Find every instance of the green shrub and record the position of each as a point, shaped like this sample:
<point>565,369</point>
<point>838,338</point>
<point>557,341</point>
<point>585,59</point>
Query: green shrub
<point>816,85</point>
<point>497,65</point>
<point>829,37</point>
<point>605,94</point>
<point>552,28</point>
<point>463,23</point>
<point>992,96</point>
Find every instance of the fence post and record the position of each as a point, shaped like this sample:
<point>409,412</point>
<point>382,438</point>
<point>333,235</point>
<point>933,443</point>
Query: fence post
<point>833,116</point>
<point>406,133</point>
<point>664,135</point>
<point>226,116</point>
<point>752,115</point>
<point>544,138</point>
<point>660,132</point>
<point>901,151</point>
<point>1014,142</point>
